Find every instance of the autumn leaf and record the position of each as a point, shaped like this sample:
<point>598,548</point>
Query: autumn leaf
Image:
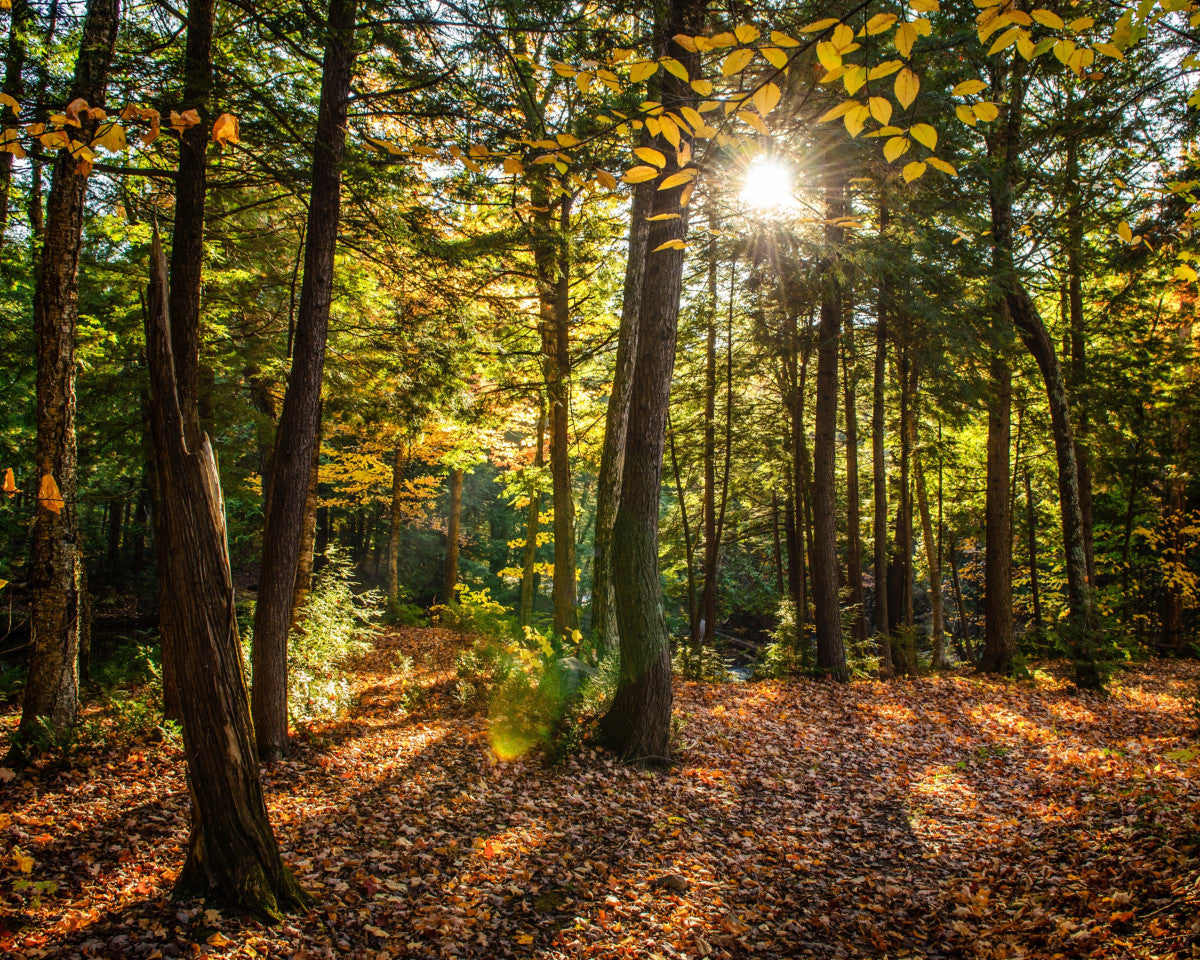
<point>49,496</point>
<point>906,87</point>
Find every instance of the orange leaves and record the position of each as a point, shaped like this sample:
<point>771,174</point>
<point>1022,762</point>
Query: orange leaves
<point>225,130</point>
<point>49,496</point>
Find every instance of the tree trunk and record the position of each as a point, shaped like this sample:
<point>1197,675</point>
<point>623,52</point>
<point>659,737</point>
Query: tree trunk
<point>879,464</point>
<point>291,464</point>
<point>1031,542</point>
<point>689,552</point>
<point>528,567</point>
<point>399,464</point>
<point>708,598</point>
<point>777,556</point>
<point>963,625</point>
<point>52,690</point>
<point>638,723</point>
<point>232,855</point>
<point>858,612</point>
<point>937,629</point>
<point>450,578</point>
<point>998,645</point>
<point>1083,625</point>
<point>616,420</point>
<point>831,654</point>
<point>308,534</point>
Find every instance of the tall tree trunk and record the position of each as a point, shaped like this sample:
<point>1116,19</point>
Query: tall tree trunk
<point>529,564</point>
<point>616,421</point>
<point>20,25</point>
<point>998,645</point>
<point>396,517</point>
<point>708,598</point>
<point>937,629</point>
<point>1031,544</point>
<point>52,690</point>
<point>831,653</point>
<point>638,723</point>
<point>292,462</point>
<point>453,524</point>
<point>232,854</point>
<point>778,552</point>
<point>1004,147</point>
<point>964,625</point>
<point>879,464</point>
<point>858,621</point>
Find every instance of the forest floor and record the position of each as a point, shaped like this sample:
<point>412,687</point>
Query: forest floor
<point>941,817</point>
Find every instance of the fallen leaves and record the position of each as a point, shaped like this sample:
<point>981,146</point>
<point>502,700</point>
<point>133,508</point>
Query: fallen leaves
<point>941,817</point>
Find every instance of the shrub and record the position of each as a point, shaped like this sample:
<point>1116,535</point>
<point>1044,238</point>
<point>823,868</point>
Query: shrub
<point>704,664</point>
<point>790,652</point>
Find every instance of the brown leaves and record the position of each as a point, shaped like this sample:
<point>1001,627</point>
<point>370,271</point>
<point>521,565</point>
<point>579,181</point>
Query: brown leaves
<point>49,496</point>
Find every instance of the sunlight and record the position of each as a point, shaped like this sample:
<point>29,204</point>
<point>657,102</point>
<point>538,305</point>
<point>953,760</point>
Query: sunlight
<point>768,186</point>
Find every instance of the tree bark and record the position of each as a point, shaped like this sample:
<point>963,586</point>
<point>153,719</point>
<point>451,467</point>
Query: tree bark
<point>689,553</point>
<point>937,629</point>
<point>529,565</point>
<point>831,653</point>
<point>1031,544</point>
<point>858,614</point>
<point>232,854</point>
<point>308,534</point>
<point>638,723</point>
<point>616,421</point>
<point>998,645</point>
<point>399,464</point>
<point>879,463</point>
<point>292,461</point>
<point>453,524</point>
<point>708,597</point>
<point>52,690</point>
<point>21,21</point>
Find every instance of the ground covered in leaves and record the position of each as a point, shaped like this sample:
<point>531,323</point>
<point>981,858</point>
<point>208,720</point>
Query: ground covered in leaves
<point>943,817</point>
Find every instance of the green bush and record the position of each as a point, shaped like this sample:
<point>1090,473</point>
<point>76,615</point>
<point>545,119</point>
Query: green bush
<point>402,614</point>
<point>475,611</point>
<point>704,664</point>
<point>790,652</point>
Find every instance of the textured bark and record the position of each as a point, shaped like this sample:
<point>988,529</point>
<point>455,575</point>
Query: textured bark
<point>453,523</point>
<point>529,565</point>
<point>232,854</point>
<point>858,616</point>
<point>51,692</point>
<point>879,464</point>
<point>964,625</point>
<point>778,552</point>
<point>831,653</point>
<point>1031,546</point>
<point>638,723</point>
<point>616,421</point>
<point>708,597</point>
<point>998,645</point>
<point>308,534</point>
<point>298,423</point>
<point>20,25</point>
<point>689,552</point>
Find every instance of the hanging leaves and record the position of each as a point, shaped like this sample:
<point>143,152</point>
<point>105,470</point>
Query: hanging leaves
<point>906,87</point>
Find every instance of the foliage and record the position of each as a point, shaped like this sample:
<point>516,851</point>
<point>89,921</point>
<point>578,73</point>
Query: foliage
<point>705,664</point>
<point>790,651</point>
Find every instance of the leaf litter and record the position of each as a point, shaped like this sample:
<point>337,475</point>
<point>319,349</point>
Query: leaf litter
<point>948,816</point>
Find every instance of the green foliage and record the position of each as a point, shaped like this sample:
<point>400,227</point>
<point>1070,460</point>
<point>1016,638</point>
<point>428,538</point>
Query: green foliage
<point>402,614</point>
<point>704,664</point>
<point>335,626</point>
<point>790,652</point>
<point>476,612</point>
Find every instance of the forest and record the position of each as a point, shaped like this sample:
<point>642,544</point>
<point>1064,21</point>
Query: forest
<point>583,479</point>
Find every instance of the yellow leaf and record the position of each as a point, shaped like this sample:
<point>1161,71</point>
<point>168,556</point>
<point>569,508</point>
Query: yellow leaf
<point>725,39</point>
<point>1005,40</point>
<point>833,75</point>
<point>563,70</point>
<point>755,121</point>
<point>525,939</point>
<point>640,174</point>
<point>842,37</point>
<point>49,496</point>
<point>939,164</point>
<point>925,6</point>
<point>1125,232</point>
<point>583,81</point>
<point>10,103</point>
<point>839,111</point>
<point>669,245</point>
<point>225,130</point>
<point>10,482</point>
<point>669,130</point>
<point>3,584</point>
<point>746,33</point>
<point>766,98</point>
<point>686,195</point>
<point>1063,50</point>
<point>703,87</point>
<point>968,88</point>
<point>783,40</point>
<point>855,119</point>
<point>814,27</point>
<point>881,109</point>
<point>642,71</point>
<point>1020,17</point>
<point>675,68</point>
<point>895,148</point>
<point>907,86</point>
<point>1109,51</point>
<point>1082,23</point>
<point>912,171</point>
<point>23,861</point>
<point>828,55</point>
<point>885,69</point>
<point>1184,272</point>
<point>677,179</point>
<point>1048,19</point>
<point>736,62</point>
<point>565,140</point>
<point>607,180</point>
<point>879,23</point>
<point>111,136</point>
<point>986,111</point>
<point>10,143</point>
<point>854,78</point>
<point>1025,45</point>
<point>906,36</point>
<point>650,155</point>
<point>664,216</point>
<point>688,43</point>
<point>924,134</point>
<point>775,57</point>
<point>513,165</point>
